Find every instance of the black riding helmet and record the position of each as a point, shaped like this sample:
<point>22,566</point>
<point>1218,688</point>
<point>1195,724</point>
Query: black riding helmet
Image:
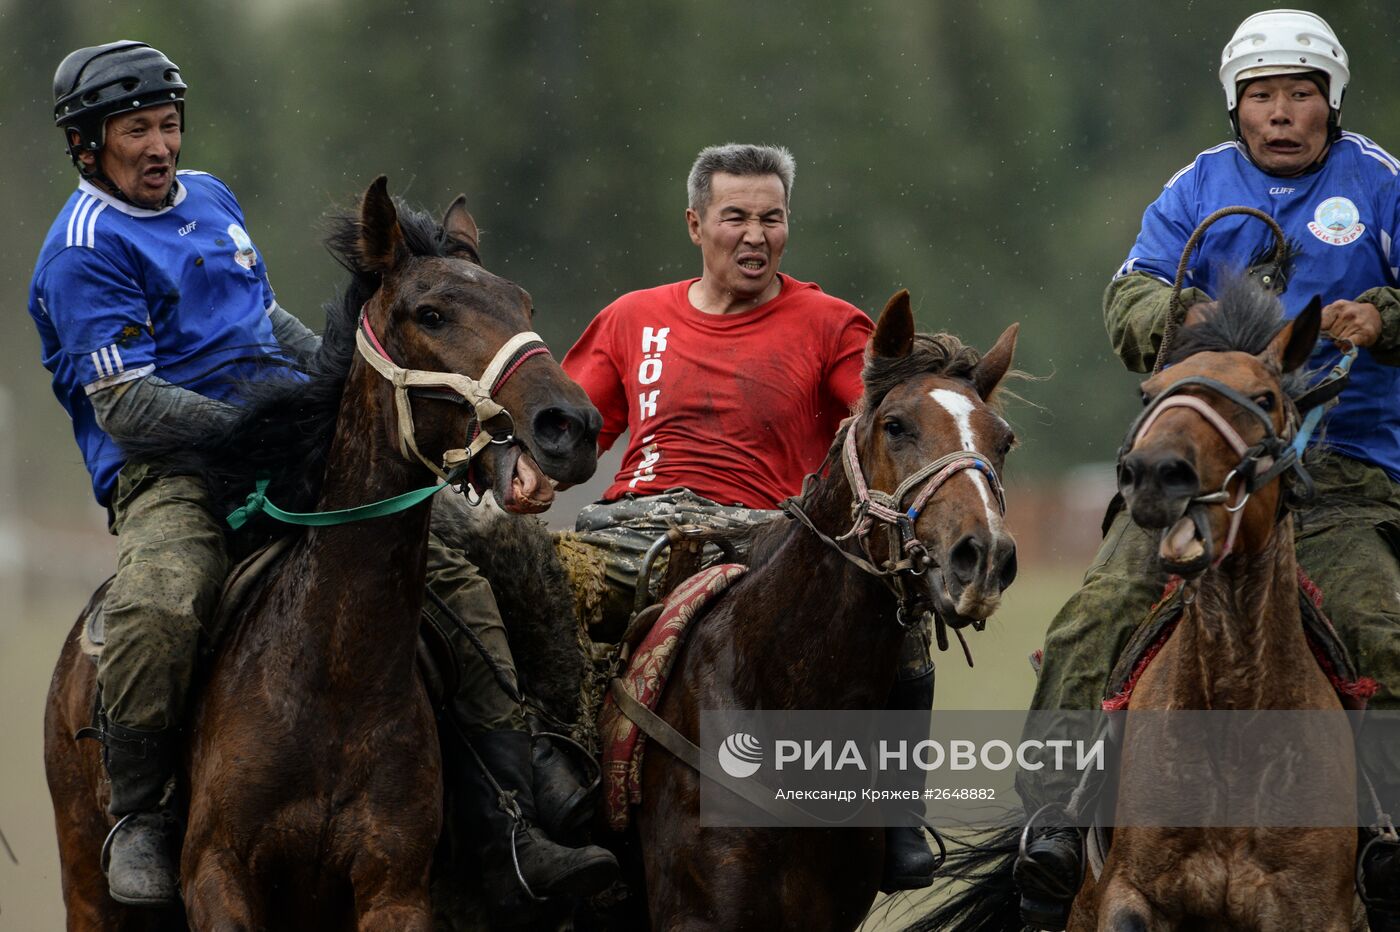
<point>95,83</point>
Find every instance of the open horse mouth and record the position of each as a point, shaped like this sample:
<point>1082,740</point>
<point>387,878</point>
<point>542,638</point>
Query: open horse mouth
<point>520,486</point>
<point>1185,547</point>
<point>957,612</point>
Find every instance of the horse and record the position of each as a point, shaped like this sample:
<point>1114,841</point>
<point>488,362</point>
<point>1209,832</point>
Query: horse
<point>806,628</point>
<point>1203,466</point>
<point>313,768</point>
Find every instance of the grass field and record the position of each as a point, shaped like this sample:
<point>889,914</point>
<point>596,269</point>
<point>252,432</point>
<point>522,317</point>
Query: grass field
<point>30,639</point>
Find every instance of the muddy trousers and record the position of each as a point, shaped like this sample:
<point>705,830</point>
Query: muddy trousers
<point>171,564</point>
<point>1347,542</point>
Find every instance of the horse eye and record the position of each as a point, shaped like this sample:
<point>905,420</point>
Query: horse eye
<point>893,427</point>
<point>430,318</point>
<point>1146,398</point>
<point>1265,401</point>
<point>1006,445</point>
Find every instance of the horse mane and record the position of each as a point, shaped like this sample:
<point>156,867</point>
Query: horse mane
<point>1245,319</point>
<point>932,354</point>
<point>284,424</point>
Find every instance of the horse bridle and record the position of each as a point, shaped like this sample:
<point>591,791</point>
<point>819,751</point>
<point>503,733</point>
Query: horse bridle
<point>871,506</point>
<point>1259,464</point>
<point>492,423</point>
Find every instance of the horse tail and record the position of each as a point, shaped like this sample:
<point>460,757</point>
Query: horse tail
<point>985,899</point>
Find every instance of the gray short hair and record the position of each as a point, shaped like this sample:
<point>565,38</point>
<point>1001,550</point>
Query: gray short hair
<point>738,159</point>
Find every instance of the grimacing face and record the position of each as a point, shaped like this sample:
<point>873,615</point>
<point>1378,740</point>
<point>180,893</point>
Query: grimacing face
<point>139,153</point>
<point>742,235</point>
<point>1283,122</point>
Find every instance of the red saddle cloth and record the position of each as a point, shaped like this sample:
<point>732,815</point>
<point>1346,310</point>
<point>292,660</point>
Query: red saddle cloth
<point>1352,689</point>
<point>623,742</point>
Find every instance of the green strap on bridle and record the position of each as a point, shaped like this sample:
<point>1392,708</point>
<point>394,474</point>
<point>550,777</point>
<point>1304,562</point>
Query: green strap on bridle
<point>257,503</point>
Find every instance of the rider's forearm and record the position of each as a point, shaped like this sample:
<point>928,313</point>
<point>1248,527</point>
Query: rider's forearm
<point>1135,315</point>
<point>292,334</point>
<point>1386,349</point>
<point>128,410</point>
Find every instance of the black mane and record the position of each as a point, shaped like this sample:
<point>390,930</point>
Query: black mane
<point>286,422</point>
<point>1246,318</point>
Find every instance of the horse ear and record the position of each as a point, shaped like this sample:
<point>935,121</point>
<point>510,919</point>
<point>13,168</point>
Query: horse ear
<point>894,331</point>
<point>993,365</point>
<point>459,229</point>
<point>1294,343</point>
<point>381,241</point>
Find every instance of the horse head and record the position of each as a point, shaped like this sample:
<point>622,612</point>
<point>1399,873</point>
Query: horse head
<point>469,380</point>
<point>931,446</point>
<point>1202,462</point>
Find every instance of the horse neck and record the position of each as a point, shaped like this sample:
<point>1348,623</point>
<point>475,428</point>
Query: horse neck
<point>365,579</point>
<point>1243,633</point>
<point>833,624</point>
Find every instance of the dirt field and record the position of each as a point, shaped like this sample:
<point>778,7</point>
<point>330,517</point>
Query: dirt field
<point>30,638</point>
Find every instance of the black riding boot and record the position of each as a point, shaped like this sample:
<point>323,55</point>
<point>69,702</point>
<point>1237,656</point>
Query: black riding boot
<point>516,850</point>
<point>1048,876</point>
<point>1378,881</point>
<point>137,857</point>
<point>909,864</point>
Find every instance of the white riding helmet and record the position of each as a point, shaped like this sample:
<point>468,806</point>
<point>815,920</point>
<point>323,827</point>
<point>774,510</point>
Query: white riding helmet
<point>1284,42</point>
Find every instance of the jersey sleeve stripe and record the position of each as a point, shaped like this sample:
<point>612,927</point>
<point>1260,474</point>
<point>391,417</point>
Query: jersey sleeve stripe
<point>92,223</point>
<point>75,219</point>
<point>1211,151</point>
<point>98,385</point>
<point>1373,148</point>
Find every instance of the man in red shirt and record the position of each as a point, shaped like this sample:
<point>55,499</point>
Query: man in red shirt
<point>731,387</point>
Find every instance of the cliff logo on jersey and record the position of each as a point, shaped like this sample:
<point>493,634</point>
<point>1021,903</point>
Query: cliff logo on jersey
<point>247,256</point>
<point>1337,221</point>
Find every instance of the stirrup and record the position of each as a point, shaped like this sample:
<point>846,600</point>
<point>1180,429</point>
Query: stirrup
<point>1386,836</point>
<point>105,858</point>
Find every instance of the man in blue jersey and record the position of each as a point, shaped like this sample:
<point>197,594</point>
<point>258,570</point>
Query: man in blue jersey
<point>152,303</point>
<point>149,297</point>
<point>1336,195</point>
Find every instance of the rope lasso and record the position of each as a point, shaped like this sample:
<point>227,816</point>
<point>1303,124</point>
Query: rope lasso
<point>1174,309</point>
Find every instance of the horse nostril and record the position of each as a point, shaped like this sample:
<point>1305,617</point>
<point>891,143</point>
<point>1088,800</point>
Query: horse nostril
<point>558,429</point>
<point>1128,472</point>
<point>966,559</point>
<point>1006,572</point>
<point>1177,477</point>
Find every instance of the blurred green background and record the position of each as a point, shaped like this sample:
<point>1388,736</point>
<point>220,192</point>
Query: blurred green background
<point>993,158</point>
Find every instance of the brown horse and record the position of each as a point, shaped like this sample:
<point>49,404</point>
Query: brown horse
<point>1202,465</point>
<point>1240,644</point>
<point>807,629</point>
<point>315,796</point>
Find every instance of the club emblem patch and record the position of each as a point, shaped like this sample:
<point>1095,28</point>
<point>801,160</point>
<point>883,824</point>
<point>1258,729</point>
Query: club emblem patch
<point>1337,221</point>
<point>246,255</point>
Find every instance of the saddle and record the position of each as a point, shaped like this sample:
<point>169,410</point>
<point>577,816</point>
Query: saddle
<point>1331,654</point>
<point>237,587</point>
<point>645,679</point>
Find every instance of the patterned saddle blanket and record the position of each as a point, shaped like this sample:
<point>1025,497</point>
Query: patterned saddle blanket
<point>647,670</point>
<point>1327,647</point>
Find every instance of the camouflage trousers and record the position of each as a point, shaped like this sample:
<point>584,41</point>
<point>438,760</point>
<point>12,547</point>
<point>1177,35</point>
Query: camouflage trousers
<point>1347,542</point>
<point>611,540</point>
<point>171,564</point>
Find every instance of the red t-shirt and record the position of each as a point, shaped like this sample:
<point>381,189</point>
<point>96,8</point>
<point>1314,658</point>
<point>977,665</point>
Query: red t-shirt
<point>735,407</point>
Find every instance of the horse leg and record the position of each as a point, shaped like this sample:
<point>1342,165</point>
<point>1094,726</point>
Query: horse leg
<point>74,775</point>
<point>219,893</point>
